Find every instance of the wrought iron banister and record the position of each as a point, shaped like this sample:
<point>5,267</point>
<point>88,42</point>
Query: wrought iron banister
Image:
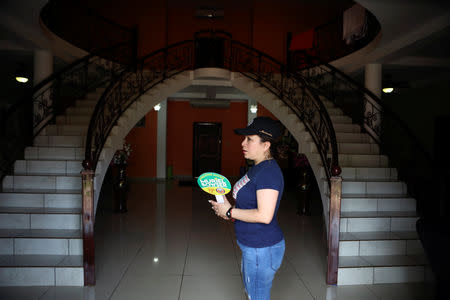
<point>396,139</point>
<point>162,64</point>
<point>295,92</point>
<point>128,86</point>
<point>292,89</point>
<point>22,121</point>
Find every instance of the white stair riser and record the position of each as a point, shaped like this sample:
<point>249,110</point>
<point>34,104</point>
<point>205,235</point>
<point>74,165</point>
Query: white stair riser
<point>352,148</point>
<point>40,221</point>
<point>43,182</point>
<point>59,141</point>
<point>355,160</point>
<point>41,246</point>
<point>349,128</point>
<point>376,275</point>
<point>76,130</point>
<point>47,167</point>
<point>40,200</point>
<point>379,248</point>
<point>378,204</point>
<point>343,137</point>
<point>54,153</point>
<point>80,110</point>
<point>333,111</point>
<point>378,224</point>
<point>41,276</point>
<point>341,120</point>
<point>368,173</point>
<point>74,119</point>
<point>373,187</point>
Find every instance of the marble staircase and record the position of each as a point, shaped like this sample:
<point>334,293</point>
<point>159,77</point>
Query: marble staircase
<point>40,205</point>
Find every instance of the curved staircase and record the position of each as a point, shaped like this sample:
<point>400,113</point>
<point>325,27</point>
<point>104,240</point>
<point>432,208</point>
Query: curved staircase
<point>40,206</point>
<point>378,239</point>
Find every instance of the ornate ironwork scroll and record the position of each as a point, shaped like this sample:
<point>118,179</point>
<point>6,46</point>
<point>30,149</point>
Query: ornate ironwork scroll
<point>123,91</point>
<point>295,92</point>
<point>406,153</point>
<point>24,120</point>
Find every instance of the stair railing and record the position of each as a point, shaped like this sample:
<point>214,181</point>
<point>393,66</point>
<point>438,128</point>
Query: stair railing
<point>414,163</point>
<point>162,64</point>
<point>25,119</point>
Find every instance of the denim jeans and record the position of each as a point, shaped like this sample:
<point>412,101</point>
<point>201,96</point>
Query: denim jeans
<point>258,267</point>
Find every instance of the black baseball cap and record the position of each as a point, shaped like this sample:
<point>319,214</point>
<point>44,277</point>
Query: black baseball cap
<point>262,126</point>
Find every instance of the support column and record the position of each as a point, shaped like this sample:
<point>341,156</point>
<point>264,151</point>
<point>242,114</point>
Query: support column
<point>43,65</point>
<point>161,141</point>
<point>372,111</point>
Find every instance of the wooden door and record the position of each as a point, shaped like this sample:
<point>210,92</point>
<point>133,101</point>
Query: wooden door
<point>207,154</point>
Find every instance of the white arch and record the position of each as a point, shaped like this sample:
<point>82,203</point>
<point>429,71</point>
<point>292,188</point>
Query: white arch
<point>167,88</point>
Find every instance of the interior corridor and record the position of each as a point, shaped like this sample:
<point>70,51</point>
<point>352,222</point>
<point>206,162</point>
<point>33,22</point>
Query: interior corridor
<point>170,245</point>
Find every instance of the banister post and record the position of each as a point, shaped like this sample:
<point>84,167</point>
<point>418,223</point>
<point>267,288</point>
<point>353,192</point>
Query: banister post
<point>87,176</point>
<point>334,227</point>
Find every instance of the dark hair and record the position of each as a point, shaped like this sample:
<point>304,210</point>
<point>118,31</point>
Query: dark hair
<point>274,145</point>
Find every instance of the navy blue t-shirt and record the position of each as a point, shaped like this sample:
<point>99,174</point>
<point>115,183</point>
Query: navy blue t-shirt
<point>265,175</point>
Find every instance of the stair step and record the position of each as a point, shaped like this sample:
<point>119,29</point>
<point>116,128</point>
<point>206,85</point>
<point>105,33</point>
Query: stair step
<point>39,210</point>
<point>378,223</point>
<point>55,167</point>
<point>381,261</point>
<point>372,187</point>
<point>41,242</point>
<point>74,119</point>
<point>334,111</point>
<point>86,110</point>
<point>59,141</point>
<point>376,245</point>
<point>65,130</point>
<point>41,276</point>
<point>40,221</point>
<point>45,182</point>
<point>376,214</point>
<point>340,120</point>
<point>350,137</point>
<point>41,261</point>
<point>54,153</point>
<point>361,173</point>
<point>41,233</point>
<point>378,235</point>
<point>378,203</point>
<point>351,128</point>
<point>86,103</point>
<point>358,148</point>
<point>363,160</point>
<point>40,199</point>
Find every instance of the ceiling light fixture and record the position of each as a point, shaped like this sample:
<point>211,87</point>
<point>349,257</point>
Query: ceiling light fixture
<point>157,107</point>
<point>253,109</point>
<point>388,90</point>
<point>22,79</point>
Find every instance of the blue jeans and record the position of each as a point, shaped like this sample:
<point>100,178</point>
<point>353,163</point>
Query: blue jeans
<point>258,267</point>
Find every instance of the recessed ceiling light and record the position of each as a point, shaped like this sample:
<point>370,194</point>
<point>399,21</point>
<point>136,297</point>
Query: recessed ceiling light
<point>388,90</point>
<point>21,79</point>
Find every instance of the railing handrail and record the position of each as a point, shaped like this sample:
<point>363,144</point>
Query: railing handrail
<point>377,100</point>
<point>92,155</point>
<point>56,75</point>
<point>322,108</point>
<point>92,161</point>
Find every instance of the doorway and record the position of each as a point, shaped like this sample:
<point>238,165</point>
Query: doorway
<point>207,152</point>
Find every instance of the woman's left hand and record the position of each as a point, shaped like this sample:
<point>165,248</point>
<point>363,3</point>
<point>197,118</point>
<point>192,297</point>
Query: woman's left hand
<point>220,208</point>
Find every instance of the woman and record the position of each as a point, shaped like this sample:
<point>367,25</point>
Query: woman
<point>257,196</point>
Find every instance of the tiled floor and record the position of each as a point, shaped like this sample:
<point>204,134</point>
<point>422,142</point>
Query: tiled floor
<point>171,246</point>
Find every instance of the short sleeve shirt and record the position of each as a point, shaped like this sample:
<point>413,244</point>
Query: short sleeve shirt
<point>265,175</point>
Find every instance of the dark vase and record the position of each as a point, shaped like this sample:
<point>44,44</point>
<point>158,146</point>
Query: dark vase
<point>120,189</point>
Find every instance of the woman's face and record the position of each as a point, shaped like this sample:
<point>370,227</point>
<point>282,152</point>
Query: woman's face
<point>254,149</point>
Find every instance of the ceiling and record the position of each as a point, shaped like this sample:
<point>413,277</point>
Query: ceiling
<point>414,48</point>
